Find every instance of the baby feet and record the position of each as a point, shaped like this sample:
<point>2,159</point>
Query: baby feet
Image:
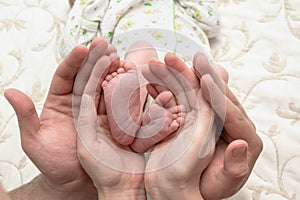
<point>124,111</point>
<point>124,101</point>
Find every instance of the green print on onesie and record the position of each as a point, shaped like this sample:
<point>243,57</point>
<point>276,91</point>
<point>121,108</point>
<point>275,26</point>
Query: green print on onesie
<point>91,17</point>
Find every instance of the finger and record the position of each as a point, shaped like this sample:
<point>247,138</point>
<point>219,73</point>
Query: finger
<point>236,124</point>
<point>27,116</point>
<point>214,96</point>
<point>232,173</point>
<point>95,43</point>
<point>100,70</point>
<point>151,88</point>
<point>94,85</point>
<point>180,68</point>
<point>111,49</point>
<point>149,74</point>
<point>236,102</point>
<point>115,62</point>
<point>168,80</point>
<point>96,51</point>
<point>185,76</point>
<point>156,85</point>
<point>202,65</point>
<point>154,90</point>
<point>101,106</point>
<point>223,73</point>
<point>87,121</point>
<point>229,93</point>
<point>87,67</point>
<point>63,79</point>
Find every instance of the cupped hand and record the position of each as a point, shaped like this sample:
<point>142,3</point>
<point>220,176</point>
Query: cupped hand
<point>175,166</point>
<point>50,140</point>
<point>116,171</point>
<point>239,145</point>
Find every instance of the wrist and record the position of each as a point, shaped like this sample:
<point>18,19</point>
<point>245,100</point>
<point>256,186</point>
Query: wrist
<point>161,185</point>
<point>129,187</point>
<point>40,188</point>
<point>119,194</point>
<point>191,193</point>
<point>70,190</point>
<point>161,188</point>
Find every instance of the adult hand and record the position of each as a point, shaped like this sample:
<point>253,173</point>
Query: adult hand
<point>3,194</point>
<point>175,166</point>
<point>116,171</point>
<point>50,140</point>
<point>239,146</point>
<point>237,150</point>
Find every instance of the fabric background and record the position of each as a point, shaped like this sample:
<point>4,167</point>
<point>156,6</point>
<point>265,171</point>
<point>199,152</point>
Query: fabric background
<point>259,45</point>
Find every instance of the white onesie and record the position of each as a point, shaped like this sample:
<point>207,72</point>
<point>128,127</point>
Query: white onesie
<point>177,26</point>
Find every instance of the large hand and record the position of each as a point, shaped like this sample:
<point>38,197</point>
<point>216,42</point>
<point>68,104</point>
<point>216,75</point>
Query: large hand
<point>3,194</point>
<point>116,171</point>
<point>174,168</point>
<point>50,140</point>
<point>240,146</point>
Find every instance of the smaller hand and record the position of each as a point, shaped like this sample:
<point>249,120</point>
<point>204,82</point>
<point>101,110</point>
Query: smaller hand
<point>116,171</point>
<point>175,166</point>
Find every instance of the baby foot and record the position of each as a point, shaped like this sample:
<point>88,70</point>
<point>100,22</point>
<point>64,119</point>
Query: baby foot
<point>124,99</point>
<point>162,118</point>
<point>122,102</point>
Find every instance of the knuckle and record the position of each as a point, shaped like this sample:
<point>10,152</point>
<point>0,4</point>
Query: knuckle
<point>235,100</point>
<point>238,172</point>
<point>235,117</point>
<point>259,145</point>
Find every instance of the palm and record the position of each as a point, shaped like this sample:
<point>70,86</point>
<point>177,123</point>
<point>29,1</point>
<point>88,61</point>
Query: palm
<point>95,141</point>
<point>115,170</point>
<point>55,152</point>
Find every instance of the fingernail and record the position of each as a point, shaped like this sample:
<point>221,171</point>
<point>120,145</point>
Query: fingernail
<point>239,151</point>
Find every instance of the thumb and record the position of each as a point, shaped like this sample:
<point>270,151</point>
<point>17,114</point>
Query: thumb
<point>231,170</point>
<point>235,166</point>
<point>235,160</point>
<point>27,117</point>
